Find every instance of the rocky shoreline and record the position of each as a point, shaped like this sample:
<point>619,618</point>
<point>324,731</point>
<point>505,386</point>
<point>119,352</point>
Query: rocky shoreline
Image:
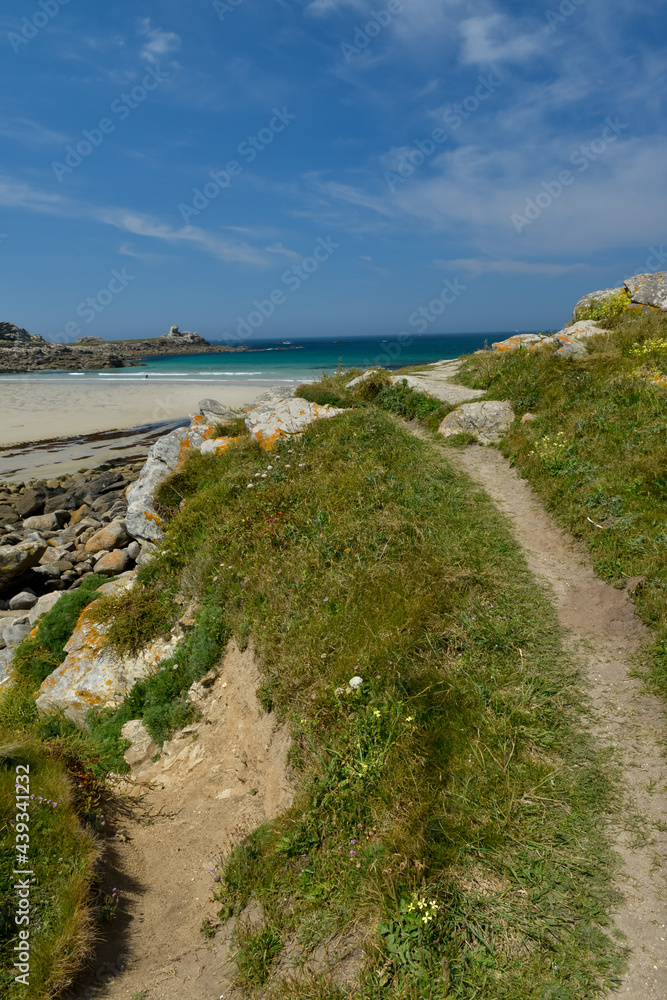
<point>55,533</point>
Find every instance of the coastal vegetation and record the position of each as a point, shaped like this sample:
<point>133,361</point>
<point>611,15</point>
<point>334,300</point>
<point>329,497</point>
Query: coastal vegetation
<point>450,813</point>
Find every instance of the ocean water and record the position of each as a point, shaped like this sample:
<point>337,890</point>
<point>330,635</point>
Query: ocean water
<point>285,362</point>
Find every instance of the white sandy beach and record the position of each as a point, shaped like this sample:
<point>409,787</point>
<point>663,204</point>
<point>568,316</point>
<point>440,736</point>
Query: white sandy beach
<point>34,410</point>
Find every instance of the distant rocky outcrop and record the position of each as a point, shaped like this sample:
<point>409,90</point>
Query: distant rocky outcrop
<point>10,333</point>
<point>21,351</point>
<point>185,337</point>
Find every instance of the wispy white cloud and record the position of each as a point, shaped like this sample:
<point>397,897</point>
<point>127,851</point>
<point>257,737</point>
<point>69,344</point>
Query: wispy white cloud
<point>496,38</point>
<point>30,133</point>
<point>160,43</point>
<point>18,194</point>
<point>127,249</point>
<point>352,195</point>
<point>480,265</point>
<point>280,249</point>
<point>144,225</point>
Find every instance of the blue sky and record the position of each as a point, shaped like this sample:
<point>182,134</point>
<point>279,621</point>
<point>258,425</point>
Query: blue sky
<point>513,150</point>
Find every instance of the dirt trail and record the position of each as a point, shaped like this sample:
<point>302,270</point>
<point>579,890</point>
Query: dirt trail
<point>225,774</point>
<point>606,631</point>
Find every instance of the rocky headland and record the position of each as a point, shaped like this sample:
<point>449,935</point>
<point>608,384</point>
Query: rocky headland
<point>21,351</point>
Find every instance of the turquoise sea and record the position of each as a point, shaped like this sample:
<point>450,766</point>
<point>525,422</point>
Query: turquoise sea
<point>287,362</point>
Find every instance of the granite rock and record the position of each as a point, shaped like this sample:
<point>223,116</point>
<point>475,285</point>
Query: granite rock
<point>94,676</point>
<point>526,340</point>
<point>112,536</point>
<point>113,563</point>
<point>648,289</point>
<point>16,559</point>
<point>269,421</point>
<point>487,421</point>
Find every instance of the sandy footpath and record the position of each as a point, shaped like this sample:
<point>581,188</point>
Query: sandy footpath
<point>36,410</point>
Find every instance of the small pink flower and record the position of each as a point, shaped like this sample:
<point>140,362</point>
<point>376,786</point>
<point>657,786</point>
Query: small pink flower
<point>352,853</point>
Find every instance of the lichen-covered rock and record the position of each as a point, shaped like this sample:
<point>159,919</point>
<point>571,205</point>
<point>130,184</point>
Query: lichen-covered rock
<point>92,676</point>
<point>164,457</point>
<point>113,563</point>
<point>584,329</point>
<point>525,340</point>
<point>487,421</point>
<point>269,421</point>
<point>111,536</point>
<point>648,289</point>
<point>16,559</point>
<point>586,301</point>
<point>216,446</point>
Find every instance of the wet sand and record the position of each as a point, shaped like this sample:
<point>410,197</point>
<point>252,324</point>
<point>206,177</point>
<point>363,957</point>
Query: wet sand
<point>37,410</point>
<point>55,426</point>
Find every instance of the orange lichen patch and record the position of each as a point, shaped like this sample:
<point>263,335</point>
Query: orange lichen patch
<point>217,446</point>
<point>658,379</point>
<point>513,343</point>
<point>34,632</point>
<point>267,441</point>
<point>202,426</point>
<point>184,448</point>
<point>152,516</point>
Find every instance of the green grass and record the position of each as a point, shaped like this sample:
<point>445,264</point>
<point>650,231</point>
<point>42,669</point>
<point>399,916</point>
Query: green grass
<point>453,768</point>
<point>61,855</point>
<point>597,452</point>
<point>458,783</point>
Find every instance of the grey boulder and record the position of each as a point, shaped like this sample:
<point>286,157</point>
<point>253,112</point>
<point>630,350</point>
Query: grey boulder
<point>648,289</point>
<point>44,522</point>
<point>142,746</point>
<point>488,421</point>
<point>215,412</point>
<point>15,634</point>
<point>23,601</point>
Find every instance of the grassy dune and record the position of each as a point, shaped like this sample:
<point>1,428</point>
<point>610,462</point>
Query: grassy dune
<point>450,817</point>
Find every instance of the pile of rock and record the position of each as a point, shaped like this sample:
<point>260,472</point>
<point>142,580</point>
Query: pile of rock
<point>54,533</point>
